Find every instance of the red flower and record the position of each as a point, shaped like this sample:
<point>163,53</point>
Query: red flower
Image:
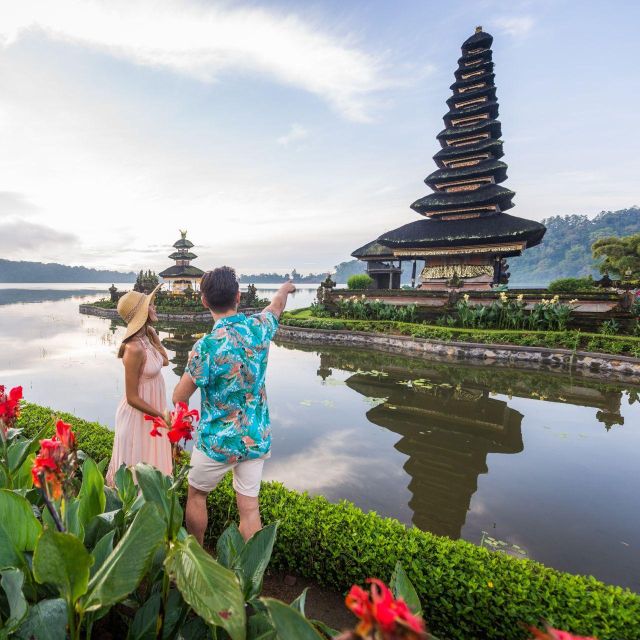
<point>56,460</point>
<point>555,634</point>
<point>9,406</point>
<point>180,423</point>
<point>380,610</point>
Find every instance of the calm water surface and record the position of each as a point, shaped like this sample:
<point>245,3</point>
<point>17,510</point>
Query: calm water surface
<point>546,463</point>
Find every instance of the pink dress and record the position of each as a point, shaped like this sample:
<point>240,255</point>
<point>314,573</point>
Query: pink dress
<point>132,442</point>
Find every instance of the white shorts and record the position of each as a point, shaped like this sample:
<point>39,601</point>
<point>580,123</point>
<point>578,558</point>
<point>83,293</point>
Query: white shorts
<point>205,473</point>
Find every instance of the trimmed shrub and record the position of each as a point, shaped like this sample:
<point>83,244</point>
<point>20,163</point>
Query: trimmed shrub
<point>572,285</point>
<point>466,591</point>
<point>359,281</point>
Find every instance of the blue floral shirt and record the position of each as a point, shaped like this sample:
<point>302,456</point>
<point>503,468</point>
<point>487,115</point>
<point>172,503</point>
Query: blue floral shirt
<point>229,365</point>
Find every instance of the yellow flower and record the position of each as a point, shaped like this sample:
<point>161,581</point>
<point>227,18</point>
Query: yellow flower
<point>466,297</point>
<point>490,584</point>
<point>520,297</point>
<point>377,299</point>
<point>363,296</point>
<point>574,301</point>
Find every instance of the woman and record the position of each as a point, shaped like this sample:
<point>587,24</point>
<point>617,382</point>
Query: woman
<point>143,356</point>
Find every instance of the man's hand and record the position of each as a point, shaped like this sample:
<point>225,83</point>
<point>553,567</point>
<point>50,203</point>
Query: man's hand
<point>288,287</point>
<point>279,301</point>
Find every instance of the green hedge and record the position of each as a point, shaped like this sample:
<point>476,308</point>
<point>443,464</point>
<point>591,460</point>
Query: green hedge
<point>572,285</point>
<point>579,340</point>
<point>467,591</point>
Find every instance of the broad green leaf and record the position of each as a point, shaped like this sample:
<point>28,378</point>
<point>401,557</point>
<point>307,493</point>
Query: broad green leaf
<point>209,588</point>
<point>46,620</point>
<point>22,478</point>
<point>125,567</point>
<point>253,559</point>
<point>156,488</point>
<point>259,627</point>
<point>72,518</point>
<point>299,603</point>
<point>21,525</point>
<point>10,555</point>
<point>101,551</point>
<point>102,466</point>
<point>195,629</point>
<point>402,587</point>
<point>325,629</point>
<point>60,559</point>
<point>91,496</point>
<point>21,448</point>
<point>229,545</point>
<point>145,621</point>
<point>126,486</point>
<point>12,581</point>
<point>289,623</point>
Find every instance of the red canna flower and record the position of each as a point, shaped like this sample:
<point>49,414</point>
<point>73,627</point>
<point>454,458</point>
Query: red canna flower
<point>9,407</point>
<point>179,423</point>
<point>379,611</point>
<point>56,461</point>
<point>555,634</point>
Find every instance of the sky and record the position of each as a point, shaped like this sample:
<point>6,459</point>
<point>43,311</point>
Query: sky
<point>286,134</point>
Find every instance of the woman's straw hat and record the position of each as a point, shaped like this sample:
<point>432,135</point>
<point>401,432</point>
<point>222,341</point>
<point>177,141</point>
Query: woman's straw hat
<point>133,308</point>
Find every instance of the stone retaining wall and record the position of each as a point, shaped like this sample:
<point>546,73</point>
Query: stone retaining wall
<point>590,364</point>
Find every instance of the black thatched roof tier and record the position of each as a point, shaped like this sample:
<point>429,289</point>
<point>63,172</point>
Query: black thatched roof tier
<point>472,60</point>
<point>178,271</point>
<point>373,250</point>
<point>492,127</point>
<point>485,67</point>
<point>501,228</point>
<point>490,107</point>
<point>440,201</point>
<point>493,168</point>
<point>487,77</point>
<point>489,146</point>
<point>180,255</point>
<point>489,91</point>
<point>183,243</point>
<point>479,40</point>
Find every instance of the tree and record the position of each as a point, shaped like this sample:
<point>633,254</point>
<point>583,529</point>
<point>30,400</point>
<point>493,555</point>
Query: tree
<point>620,256</point>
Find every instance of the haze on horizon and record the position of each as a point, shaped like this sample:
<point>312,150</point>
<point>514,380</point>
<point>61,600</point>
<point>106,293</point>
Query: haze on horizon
<point>285,135</point>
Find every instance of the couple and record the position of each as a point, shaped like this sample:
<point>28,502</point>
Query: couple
<point>228,365</point>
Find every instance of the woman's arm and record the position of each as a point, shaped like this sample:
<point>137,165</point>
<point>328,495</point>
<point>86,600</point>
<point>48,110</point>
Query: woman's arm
<point>133,361</point>
<point>155,341</point>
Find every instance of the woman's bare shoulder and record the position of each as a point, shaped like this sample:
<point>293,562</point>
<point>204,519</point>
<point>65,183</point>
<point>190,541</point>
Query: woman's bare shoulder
<point>133,350</point>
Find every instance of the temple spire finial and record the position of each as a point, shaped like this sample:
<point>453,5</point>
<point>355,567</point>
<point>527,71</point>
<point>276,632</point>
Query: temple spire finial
<point>479,29</point>
<point>183,233</point>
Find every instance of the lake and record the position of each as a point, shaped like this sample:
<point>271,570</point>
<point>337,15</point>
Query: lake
<point>538,463</point>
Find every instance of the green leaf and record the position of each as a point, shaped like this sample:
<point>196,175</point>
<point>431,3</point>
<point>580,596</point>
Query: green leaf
<point>22,478</point>
<point>209,588</point>
<point>253,560</point>
<point>289,623</point>
<point>91,496</point>
<point>72,518</point>
<point>259,627</point>
<point>102,551</point>
<point>299,603</point>
<point>12,581</point>
<point>402,587</point>
<point>60,559</point>
<point>325,629</point>
<point>21,448</point>
<point>22,527</point>
<point>125,567</point>
<point>229,545</point>
<point>195,629</point>
<point>46,620</point>
<point>10,555</point>
<point>145,621</point>
<point>126,486</point>
<point>156,488</point>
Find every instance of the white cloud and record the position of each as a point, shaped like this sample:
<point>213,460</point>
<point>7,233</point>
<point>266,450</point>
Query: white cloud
<point>516,26</point>
<point>203,41</point>
<point>296,132</point>
<point>25,239</point>
<point>13,203</point>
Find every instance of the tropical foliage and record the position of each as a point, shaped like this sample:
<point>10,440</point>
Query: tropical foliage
<point>572,285</point>
<point>363,308</point>
<point>360,281</point>
<point>620,257</point>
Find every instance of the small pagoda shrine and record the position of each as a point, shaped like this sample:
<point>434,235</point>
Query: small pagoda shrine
<point>183,276</point>
<point>466,236</point>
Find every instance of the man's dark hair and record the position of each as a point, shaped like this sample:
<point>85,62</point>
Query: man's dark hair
<point>220,289</point>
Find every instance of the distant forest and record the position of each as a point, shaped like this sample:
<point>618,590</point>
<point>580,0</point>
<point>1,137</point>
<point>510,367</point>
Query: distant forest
<point>12,271</point>
<point>271,278</point>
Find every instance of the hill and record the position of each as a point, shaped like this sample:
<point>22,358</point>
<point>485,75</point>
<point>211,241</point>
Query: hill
<point>13,271</point>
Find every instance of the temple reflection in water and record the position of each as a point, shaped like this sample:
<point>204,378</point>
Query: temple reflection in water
<point>448,421</point>
<point>179,338</point>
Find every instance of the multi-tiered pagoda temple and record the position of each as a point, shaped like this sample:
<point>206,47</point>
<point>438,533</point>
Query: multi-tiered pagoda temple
<point>467,236</point>
<point>183,275</point>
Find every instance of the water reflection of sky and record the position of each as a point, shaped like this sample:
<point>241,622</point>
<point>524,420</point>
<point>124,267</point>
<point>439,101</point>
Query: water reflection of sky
<point>468,449</point>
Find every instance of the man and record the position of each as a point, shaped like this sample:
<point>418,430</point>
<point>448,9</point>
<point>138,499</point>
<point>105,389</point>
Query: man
<point>229,366</point>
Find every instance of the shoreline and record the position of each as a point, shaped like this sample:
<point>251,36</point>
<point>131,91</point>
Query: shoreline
<point>590,364</point>
<point>89,309</point>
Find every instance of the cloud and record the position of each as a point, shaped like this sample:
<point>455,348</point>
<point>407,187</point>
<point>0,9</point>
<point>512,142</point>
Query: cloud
<point>202,41</point>
<point>14,203</point>
<point>516,26</point>
<point>296,132</point>
<point>21,238</point>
